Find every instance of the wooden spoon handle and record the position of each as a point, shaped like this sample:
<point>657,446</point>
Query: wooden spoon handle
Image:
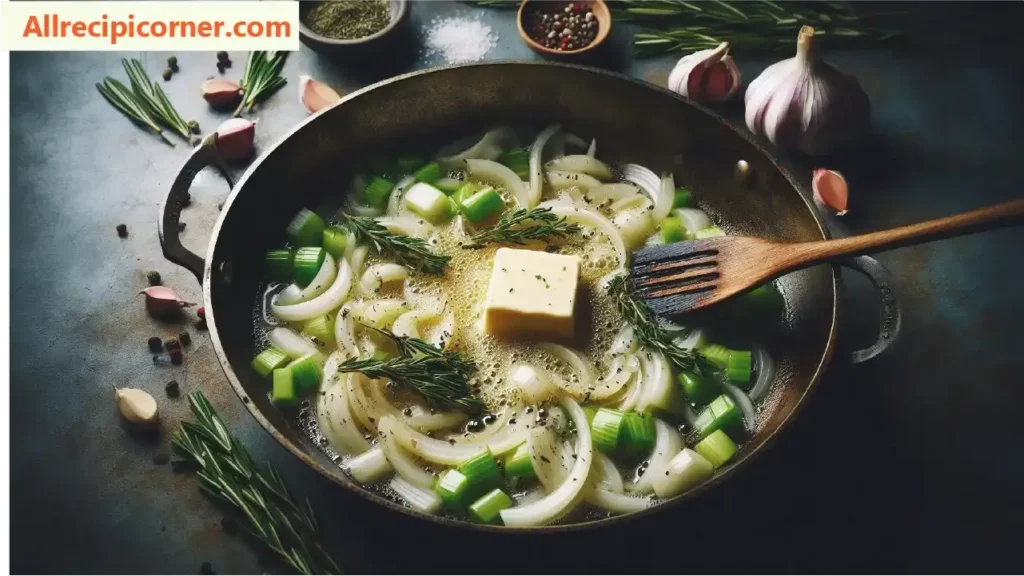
<point>990,218</point>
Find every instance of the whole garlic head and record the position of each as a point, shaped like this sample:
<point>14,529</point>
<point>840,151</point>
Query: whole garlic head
<point>806,103</point>
<point>706,75</point>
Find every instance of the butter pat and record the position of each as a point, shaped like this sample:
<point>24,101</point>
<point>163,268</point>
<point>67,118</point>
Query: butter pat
<point>531,295</point>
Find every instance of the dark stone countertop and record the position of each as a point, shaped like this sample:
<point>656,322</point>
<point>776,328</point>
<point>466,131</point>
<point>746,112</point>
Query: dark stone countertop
<point>905,463</point>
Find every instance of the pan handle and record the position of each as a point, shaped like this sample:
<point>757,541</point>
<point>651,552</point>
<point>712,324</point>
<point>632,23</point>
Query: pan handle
<point>170,213</point>
<point>891,320</point>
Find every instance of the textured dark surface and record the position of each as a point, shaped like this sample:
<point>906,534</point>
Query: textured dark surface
<point>904,463</point>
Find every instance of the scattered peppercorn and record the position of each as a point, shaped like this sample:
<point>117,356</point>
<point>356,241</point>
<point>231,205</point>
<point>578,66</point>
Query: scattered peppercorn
<point>221,67</point>
<point>156,344</point>
<point>222,56</point>
<point>122,230</point>
<point>167,74</point>
<point>193,126</point>
<point>562,26</point>
<point>172,63</point>
<point>176,355</point>
<point>201,325</point>
<point>171,343</point>
<point>153,277</point>
<point>185,338</point>
<point>172,389</point>
<point>181,226</point>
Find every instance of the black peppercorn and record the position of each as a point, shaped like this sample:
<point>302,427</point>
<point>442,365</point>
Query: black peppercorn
<point>153,277</point>
<point>172,63</point>
<point>172,389</point>
<point>155,344</point>
<point>167,74</point>
<point>193,126</point>
<point>122,230</point>
<point>222,56</point>
<point>185,338</point>
<point>176,355</point>
<point>171,343</point>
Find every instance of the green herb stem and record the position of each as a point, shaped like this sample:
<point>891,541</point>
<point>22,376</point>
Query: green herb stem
<point>261,78</point>
<point>524,225</point>
<point>411,252</point>
<point>153,100</point>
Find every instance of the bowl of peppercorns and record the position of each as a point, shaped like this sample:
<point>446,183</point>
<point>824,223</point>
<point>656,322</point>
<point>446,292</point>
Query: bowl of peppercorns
<point>564,29</point>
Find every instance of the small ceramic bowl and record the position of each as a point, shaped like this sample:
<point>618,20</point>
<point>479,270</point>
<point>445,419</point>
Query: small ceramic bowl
<point>399,10</point>
<point>601,14</point>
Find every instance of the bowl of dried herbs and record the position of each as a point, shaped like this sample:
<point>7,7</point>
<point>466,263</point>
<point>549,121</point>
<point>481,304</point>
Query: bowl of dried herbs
<point>341,26</point>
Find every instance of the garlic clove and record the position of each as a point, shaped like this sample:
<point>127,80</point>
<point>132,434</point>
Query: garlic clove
<point>136,406</point>
<point>830,191</point>
<point>221,93</point>
<point>235,138</point>
<point>316,95</point>
<point>162,302</point>
<point>706,75</point>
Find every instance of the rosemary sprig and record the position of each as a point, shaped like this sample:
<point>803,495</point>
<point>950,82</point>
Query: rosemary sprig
<point>121,97</point>
<point>261,78</point>
<point>499,4</point>
<point>524,225</point>
<point>648,329</point>
<point>227,473</point>
<point>153,99</point>
<point>411,252</point>
<point>440,376</point>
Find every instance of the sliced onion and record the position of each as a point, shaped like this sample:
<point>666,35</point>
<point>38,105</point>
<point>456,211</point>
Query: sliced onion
<point>546,455</point>
<point>592,219</point>
<point>365,211</point>
<point>378,275</point>
<point>666,197</point>
<point>647,181</point>
<point>633,393</point>
<point>667,443</point>
<point>442,452</point>
<point>369,467</point>
<point>489,147</point>
<point>365,410</point>
<point>381,313</point>
<point>685,471</point>
<point>423,420</point>
<point>695,339</point>
<point>583,368</point>
<point>613,383</point>
<point>445,332</point>
<point>294,294</point>
<point>559,179</point>
<point>423,499</point>
<point>592,149</point>
<point>693,219</point>
<point>502,421</point>
<point>634,226</point>
<point>534,383</point>
<point>502,176</point>
<point>291,342</point>
<point>604,474</point>
<point>612,192</point>
<point>659,389</point>
<point>559,501</point>
<point>322,304</point>
<point>625,342</point>
<point>743,401</point>
<point>536,173</point>
<point>395,205</point>
<point>407,325</point>
<point>617,503</point>
<point>345,328</point>
<point>636,201</point>
<point>583,164</point>
<point>350,247</point>
<point>765,373</point>
<point>404,464</point>
<point>333,413</point>
<point>358,259</point>
<point>407,226</point>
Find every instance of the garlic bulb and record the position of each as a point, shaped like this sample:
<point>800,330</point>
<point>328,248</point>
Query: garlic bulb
<point>706,75</point>
<point>137,406</point>
<point>805,103</point>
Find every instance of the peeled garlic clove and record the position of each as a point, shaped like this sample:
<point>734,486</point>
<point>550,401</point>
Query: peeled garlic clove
<point>806,103</point>
<point>221,93</point>
<point>316,95</point>
<point>137,406</point>
<point>162,302</point>
<point>706,75</point>
<point>830,191</point>
<point>235,138</point>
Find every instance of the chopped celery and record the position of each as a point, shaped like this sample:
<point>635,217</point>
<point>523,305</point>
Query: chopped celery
<point>482,206</point>
<point>430,173</point>
<point>269,360</point>
<point>335,239</point>
<point>672,230</point>
<point>738,368</point>
<point>699,390</point>
<point>378,191</point>
<point>717,354</point>
<point>306,371</point>
<point>721,414</point>
<point>718,448</point>
<point>519,465</point>
<point>590,411</point>
<point>453,487</point>
<point>283,392</point>
<point>321,328</point>
<point>711,232</point>
<point>637,434</point>
<point>518,160</point>
<point>279,265</point>
<point>409,164</point>
<point>307,263</point>
<point>487,510</point>
<point>482,471</point>
<point>605,429</point>
<point>465,191</point>
<point>449,185</point>
<point>306,229</point>
<point>682,198</point>
<point>428,202</point>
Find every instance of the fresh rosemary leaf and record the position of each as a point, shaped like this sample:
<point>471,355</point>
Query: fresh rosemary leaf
<point>226,473</point>
<point>441,377</point>
<point>262,77</point>
<point>524,225</point>
<point>411,252</point>
<point>647,328</point>
<point>152,98</point>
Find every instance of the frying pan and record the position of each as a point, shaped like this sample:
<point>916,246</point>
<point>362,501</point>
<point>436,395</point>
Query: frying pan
<point>633,122</point>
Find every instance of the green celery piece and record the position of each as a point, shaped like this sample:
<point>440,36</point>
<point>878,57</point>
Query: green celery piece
<point>718,448</point>
<point>487,509</point>
<point>306,229</point>
<point>283,392</point>
<point>269,360</point>
<point>605,429</point>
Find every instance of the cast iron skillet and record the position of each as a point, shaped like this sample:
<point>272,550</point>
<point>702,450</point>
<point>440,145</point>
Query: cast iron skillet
<point>632,121</point>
